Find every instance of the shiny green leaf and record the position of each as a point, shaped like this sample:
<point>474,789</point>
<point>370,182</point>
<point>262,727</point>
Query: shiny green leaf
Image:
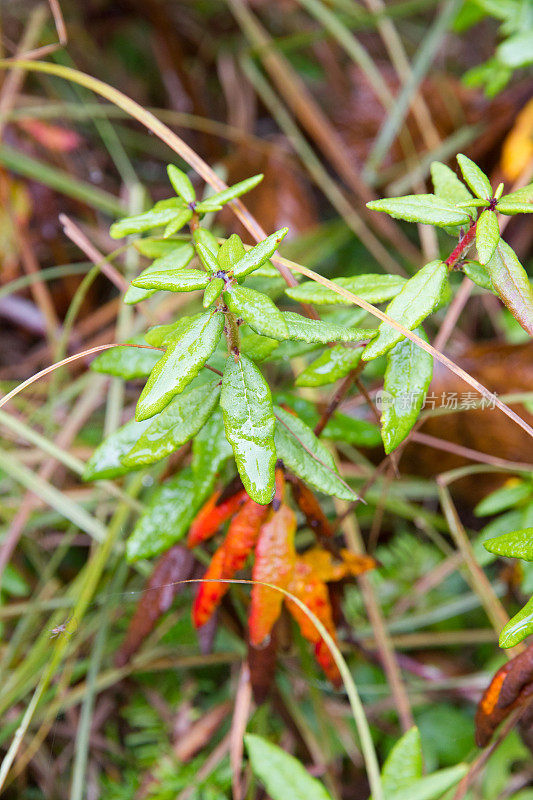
<point>210,451</point>
<point>177,257</point>
<point>334,363</point>
<point>177,222</point>
<point>283,776</point>
<point>374,288</point>
<point>257,255</point>
<point>231,251</point>
<point>161,214</point>
<point>170,511</point>
<point>425,208</point>
<point>208,258</point>
<point>181,363</point>
<point>255,346</point>
<point>127,362</point>
<point>418,298</point>
<point>487,235</point>
<point>352,430</point>
<point>206,239</point>
<point>162,335</point>
<point>257,310</point>
<point>407,378</point>
<point>520,626</point>
<point>180,280</point>
<point>246,403</point>
<point>307,456</point>
<point>524,195</point>
<point>478,274</point>
<point>106,461</point>
<point>156,248</point>
<point>474,177</point>
<point>181,184</point>
<point>213,291</point>
<point>511,208</point>
<point>217,200</point>
<point>320,332</point>
<point>503,498</point>
<point>511,282</point>
<point>518,544</point>
<point>447,185</point>
<point>175,425</point>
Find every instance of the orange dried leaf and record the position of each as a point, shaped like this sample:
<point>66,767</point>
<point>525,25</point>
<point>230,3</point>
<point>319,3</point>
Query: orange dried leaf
<point>213,514</point>
<point>210,593</point>
<point>356,565</point>
<point>314,594</point>
<point>242,535</point>
<point>274,563</point>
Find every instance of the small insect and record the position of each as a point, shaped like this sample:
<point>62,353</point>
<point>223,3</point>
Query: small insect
<point>62,629</point>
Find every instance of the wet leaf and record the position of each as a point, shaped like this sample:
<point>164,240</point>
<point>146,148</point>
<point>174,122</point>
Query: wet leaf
<point>156,248</point>
<point>183,280</point>
<point>220,198</point>
<point>282,775</point>
<point>307,457</point>
<point>255,346</point>
<point>175,425</point>
<point>176,257</point>
<point>321,332</point>
<point>425,208</point>
<point>447,185</point>
<point>257,255</point>
<point>175,565</point>
<point>520,626</point>
<point>213,291</point>
<point>418,298</point>
<point>181,183</point>
<point>231,251</point>
<point>162,213</point>
<point>169,513</point>
<point>210,451</point>
<point>518,544</point>
<point>257,310</point>
<point>162,335</point>
<point>274,563</point>
<point>106,461</point>
<point>478,274</point>
<point>516,207</point>
<point>374,288</point>
<point>246,403</point>
<point>474,177</point>
<point>352,430</point>
<point>407,378</point>
<point>213,514</point>
<point>181,363</point>
<point>334,363</point>
<point>487,235</point>
<point>511,281</point>
<point>127,362</point>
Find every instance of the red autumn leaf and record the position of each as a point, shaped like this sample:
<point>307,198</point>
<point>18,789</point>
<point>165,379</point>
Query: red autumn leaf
<point>274,563</point>
<point>53,137</point>
<point>511,687</point>
<point>213,514</point>
<point>210,592</point>
<point>325,659</point>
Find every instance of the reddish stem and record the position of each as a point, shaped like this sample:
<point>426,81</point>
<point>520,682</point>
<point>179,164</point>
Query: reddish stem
<point>463,245</point>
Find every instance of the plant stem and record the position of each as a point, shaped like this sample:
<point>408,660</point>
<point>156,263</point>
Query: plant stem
<point>464,243</point>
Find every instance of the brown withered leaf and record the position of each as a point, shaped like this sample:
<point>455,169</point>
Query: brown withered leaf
<point>201,732</point>
<point>510,688</point>
<point>310,507</point>
<point>262,665</point>
<point>176,564</point>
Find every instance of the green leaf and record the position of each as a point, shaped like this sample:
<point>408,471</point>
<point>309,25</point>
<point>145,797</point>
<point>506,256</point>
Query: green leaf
<point>518,544</point>
<point>503,498</point>
<point>127,362</point>
<point>520,626</point>
<point>352,430</point>
<point>334,363</point>
<point>206,239</point>
<point>213,291</point>
<point>433,786</point>
<point>177,257</point>
<point>181,184</point>
<point>320,332</point>
<point>403,766</point>
<point>181,363</point>
<point>474,177</point>
<point>283,776</point>
<point>210,450</point>
<point>246,403</point>
<point>407,378</point>
<point>511,281</point>
<point>175,425</point>
<point>181,280</point>
<point>479,274</point>
<point>170,511</point>
<point>425,208</point>
<point>374,288</point>
<point>156,248</point>
<point>418,298</point>
<point>161,214</point>
<point>162,335</point>
<point>214,202</point>
<point>257,255</point>
<point>208,258</point>
<point>524,195</point>
<point>517,50</point>
<point>258,310</point>
<point>487,235</point>
<point>231,251</point>
<point>511,207</point>
<point>106,461</point>
<point>307,457</point>
<point>447,185</point>
<point>255,346</point>
<point>177,222</point>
